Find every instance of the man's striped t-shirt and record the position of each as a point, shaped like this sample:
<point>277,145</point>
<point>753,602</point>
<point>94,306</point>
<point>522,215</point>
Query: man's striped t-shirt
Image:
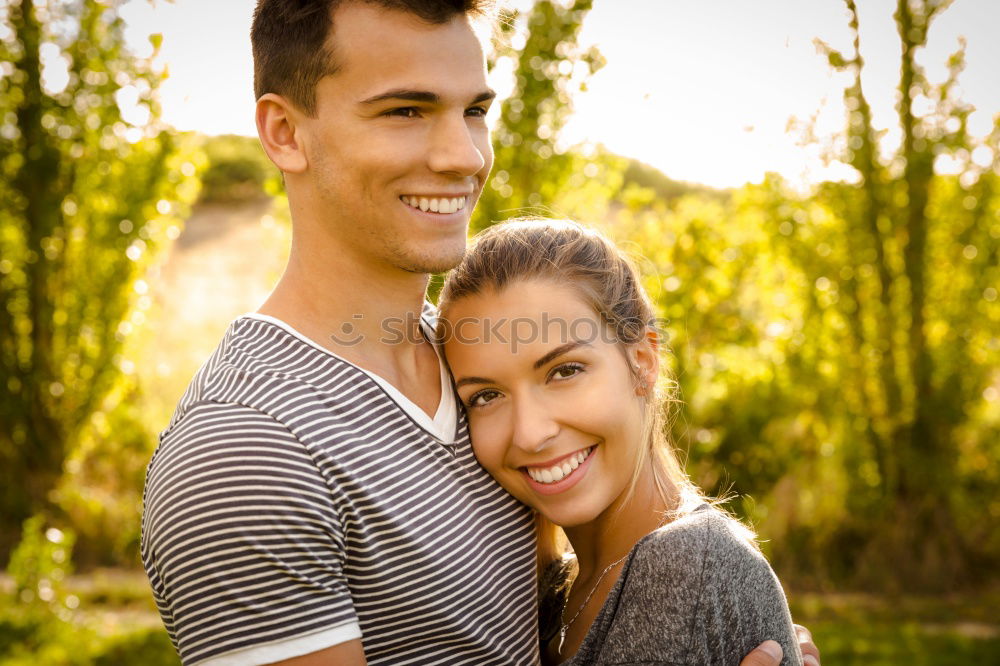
<point>296,501</point>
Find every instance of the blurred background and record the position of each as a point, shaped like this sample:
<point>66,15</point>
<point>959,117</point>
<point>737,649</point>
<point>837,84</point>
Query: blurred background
<point>812,190</point>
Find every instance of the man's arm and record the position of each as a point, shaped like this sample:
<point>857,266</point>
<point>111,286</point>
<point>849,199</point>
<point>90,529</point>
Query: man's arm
<point>241,541</point>
<point>769,653</point>
<point>344,654</point>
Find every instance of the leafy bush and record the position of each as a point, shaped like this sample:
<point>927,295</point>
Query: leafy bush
<point>43,622</point>
<point>237,169</point>
<point>149,648</point>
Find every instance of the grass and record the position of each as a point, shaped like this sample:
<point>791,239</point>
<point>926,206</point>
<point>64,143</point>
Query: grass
<point>116,623</point>
<point>876,630</point>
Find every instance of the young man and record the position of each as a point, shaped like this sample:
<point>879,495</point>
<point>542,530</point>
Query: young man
<point>314,499</point>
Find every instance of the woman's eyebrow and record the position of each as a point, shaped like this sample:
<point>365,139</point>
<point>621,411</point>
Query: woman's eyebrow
<point>472,380</point>
<point>559,351</point>
<point>555,353</point>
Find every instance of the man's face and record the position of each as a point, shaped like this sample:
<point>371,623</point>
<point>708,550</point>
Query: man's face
<point>399,149</point>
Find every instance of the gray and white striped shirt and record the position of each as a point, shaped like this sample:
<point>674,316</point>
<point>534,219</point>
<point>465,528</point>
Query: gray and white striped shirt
<point>296,501</point>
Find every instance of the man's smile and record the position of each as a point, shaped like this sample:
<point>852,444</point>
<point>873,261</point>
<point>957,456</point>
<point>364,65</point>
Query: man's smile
<point>443,205</point>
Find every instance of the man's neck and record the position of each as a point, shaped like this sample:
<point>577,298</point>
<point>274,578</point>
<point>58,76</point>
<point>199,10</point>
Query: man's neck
<point>344,304</point>
<point>368,314</point>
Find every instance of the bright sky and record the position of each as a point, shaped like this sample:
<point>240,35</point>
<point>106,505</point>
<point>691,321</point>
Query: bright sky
<point>702,89</point>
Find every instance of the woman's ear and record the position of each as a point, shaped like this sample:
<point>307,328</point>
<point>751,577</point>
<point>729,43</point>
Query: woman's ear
<point>645,359</point>
<point>280,132</point>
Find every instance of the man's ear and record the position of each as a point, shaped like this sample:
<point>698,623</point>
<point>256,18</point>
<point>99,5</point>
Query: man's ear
<point>645,359</point>
<point>280,133</point>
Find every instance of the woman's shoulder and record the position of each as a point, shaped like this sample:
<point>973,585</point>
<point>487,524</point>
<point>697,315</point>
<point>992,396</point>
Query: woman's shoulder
<point>703,577</point>
<point>696,538</point>
<point>704,525</point>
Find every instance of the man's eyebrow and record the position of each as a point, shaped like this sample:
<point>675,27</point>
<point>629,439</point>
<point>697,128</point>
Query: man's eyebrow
<point>559,351</point>
<point>422,96</point>
<point>484,96</point>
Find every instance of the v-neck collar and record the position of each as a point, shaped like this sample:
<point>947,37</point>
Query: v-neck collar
<point>442,425</point>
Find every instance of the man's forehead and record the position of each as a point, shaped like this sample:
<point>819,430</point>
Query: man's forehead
<point>381,49</point>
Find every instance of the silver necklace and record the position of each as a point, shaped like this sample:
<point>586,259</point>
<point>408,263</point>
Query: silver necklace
<point>562,614</point>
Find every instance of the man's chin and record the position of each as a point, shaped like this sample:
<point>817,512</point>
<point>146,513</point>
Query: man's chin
<point>436,264</point>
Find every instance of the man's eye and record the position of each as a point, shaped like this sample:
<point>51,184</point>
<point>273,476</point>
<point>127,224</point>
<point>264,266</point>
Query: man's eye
<point>476,112</point>
<point>566,370</point>
<point>403,112</point>
<point>482,398</point>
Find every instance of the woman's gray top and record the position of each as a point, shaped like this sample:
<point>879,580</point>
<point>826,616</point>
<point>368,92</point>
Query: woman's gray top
<point>696,591</point>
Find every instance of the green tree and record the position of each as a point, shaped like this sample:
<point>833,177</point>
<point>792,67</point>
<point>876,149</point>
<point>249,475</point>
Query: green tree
<point>918,258</point>
<point>90,185</point>
<point>837,352</point>
<point>533,172</point>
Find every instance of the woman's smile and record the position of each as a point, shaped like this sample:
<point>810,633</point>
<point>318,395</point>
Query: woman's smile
<point>561,475</point>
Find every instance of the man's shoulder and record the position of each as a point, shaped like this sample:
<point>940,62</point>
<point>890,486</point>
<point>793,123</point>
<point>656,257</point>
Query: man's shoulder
<point>252,348</point>
<point>224,375</point>
<point>258,367</point>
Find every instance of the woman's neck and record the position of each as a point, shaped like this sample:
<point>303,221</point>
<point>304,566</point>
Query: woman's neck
<point>612,534</point>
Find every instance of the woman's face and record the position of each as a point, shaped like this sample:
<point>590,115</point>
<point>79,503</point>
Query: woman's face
<point>554,411</point>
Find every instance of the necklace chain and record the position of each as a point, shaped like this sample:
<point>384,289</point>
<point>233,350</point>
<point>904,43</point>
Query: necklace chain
<point>562,614</point>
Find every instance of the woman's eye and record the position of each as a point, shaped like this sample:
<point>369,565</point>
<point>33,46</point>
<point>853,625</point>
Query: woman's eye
<point>566,370</point>
<point>482,398</point>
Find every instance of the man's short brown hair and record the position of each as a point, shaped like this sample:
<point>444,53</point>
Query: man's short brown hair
<point>289,37</point>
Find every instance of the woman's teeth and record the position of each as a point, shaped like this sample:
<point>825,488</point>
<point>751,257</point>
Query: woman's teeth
<point>560,471</point>
<point>439,205</point>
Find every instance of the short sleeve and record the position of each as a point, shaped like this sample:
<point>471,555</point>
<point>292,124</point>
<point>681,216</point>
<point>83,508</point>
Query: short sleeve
<point>694,592</point>
<point>741,603</point>
<point>241,541</point>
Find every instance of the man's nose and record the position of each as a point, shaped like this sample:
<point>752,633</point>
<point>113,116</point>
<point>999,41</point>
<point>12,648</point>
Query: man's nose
<point>534,425</point>
<point>454,148</point>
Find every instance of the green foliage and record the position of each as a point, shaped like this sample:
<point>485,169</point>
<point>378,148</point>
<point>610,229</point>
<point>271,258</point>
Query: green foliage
<point>90,186</point>
<point>39,566</point>
<point>861,629</point>
<point>759,294</point>
<point>237,169</point>
<point>532,168</point>
<point>913,259</point>
<point>150,648</point>
<point>100,491</point>
<point>836,352</point>
<point>63,643</point>
<point>43,620</point>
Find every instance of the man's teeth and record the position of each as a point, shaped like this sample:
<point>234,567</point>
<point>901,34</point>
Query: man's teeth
<point>560,471</point>
<point>440,205</point>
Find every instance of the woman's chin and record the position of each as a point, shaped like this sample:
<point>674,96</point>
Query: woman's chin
<point>563,519</point>
<point>558,512</point>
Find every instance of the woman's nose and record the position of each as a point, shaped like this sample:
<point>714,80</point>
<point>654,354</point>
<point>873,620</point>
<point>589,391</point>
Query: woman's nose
<point>534,425</point>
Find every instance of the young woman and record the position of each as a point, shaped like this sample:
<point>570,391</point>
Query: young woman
<point>549,336</point>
